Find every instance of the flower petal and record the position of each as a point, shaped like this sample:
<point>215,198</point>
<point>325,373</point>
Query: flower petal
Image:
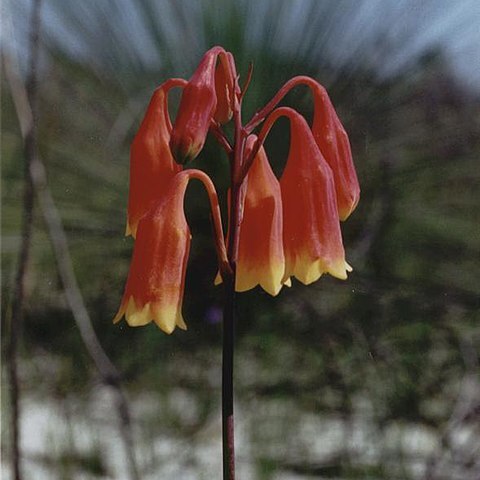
<point>261,260</point>
<point>151,163</point>
<point>332,139</point>
<point>198,105</point>
<point>156,281</point>
<point>311,229</point>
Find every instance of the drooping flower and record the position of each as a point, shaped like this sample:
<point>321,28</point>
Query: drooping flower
<point>151,162</point>
<point>311,230</point>
<point>198,105</point>
<point>332,139</point>
<point>261,260</point>
<point>155,284</point>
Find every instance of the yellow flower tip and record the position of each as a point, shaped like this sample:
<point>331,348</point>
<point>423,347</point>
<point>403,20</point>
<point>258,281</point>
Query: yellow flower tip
<point>168,329</point>
<point>308,272</point>
<point>272,280</point>
<point>136,317</point>
<point>344,213</point>
<point>119,315</point>
<point>166,317</point>
<point>271,288</point>
<point>339,269</point>
<point>287,282</point>
<point>218,279</point>
<point>131,227</point>
<point>181,322</point>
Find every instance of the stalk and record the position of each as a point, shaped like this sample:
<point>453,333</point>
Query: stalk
<point>25,246</point>
<point>227,379</point>
<point>237,198</point>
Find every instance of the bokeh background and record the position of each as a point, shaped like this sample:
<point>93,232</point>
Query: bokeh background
<point>373,378</point>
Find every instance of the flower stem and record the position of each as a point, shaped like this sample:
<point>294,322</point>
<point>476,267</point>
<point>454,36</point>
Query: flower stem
<point>236,207</point>
<point>227,380</point>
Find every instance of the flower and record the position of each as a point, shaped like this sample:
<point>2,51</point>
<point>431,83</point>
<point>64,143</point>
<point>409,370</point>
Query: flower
<point>332,139</point>
<point>311,230</point>
<point>261,260</point>
<point>278,228</point>
<point>151,162</point>
<point>198,105</point>
<point>156,280</point>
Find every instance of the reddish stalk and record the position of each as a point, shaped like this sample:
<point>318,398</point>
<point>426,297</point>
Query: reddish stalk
<point>237,198</point>
<point>260,116</point>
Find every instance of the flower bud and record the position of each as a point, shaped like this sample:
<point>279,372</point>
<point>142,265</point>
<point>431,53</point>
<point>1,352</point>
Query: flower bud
<point>198,106</point>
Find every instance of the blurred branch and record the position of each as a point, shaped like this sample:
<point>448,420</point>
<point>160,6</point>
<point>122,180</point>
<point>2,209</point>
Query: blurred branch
<point>29,136</point>
<point>466,412</point>
<point>37,179</point>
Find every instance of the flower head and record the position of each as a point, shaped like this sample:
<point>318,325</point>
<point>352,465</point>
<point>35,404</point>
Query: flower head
<point>155,284</point>
<point>208,87</point>
<point>311,231</point>
<point>277,228</point>
<point>332,139</point>
<point>151,162</point>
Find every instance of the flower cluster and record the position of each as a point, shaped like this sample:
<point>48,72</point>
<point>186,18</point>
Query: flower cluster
<point>278,228</point>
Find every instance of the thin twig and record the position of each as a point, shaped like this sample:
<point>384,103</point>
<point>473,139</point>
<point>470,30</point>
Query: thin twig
<point>29,132</point>
<point>216,130</point>
<point>38,179</point>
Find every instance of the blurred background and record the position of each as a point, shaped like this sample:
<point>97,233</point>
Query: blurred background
<point>376,377</point>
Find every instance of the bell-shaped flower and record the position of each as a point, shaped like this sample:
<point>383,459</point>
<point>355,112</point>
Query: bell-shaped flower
<point>198,105</point>
<point>156,280</point>
<point>311,230</point>
<point>261,260</point>
<point>332,139</point>
<point>151,162</point>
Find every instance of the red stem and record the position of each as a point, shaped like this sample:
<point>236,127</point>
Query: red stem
<point>236,206</point>
<point>273,117</point>
<point>260,116</point>
<point>169,84</point>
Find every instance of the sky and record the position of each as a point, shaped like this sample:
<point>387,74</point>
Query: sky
<point>359,32</point>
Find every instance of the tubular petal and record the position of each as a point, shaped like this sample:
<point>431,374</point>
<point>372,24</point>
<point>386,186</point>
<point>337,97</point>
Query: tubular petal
<point>261,260</point>
<point>156,281</point>
<point>311,230</point>
<point>151,163</point>
<point>332,139</point>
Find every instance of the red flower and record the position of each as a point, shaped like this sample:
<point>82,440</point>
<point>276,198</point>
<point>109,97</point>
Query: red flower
<point>156,281</point>
<point>261,260</point>
<point>208,87</point>
<point>311,231</point>
<point>332,139</point>
<point>151,162</point>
